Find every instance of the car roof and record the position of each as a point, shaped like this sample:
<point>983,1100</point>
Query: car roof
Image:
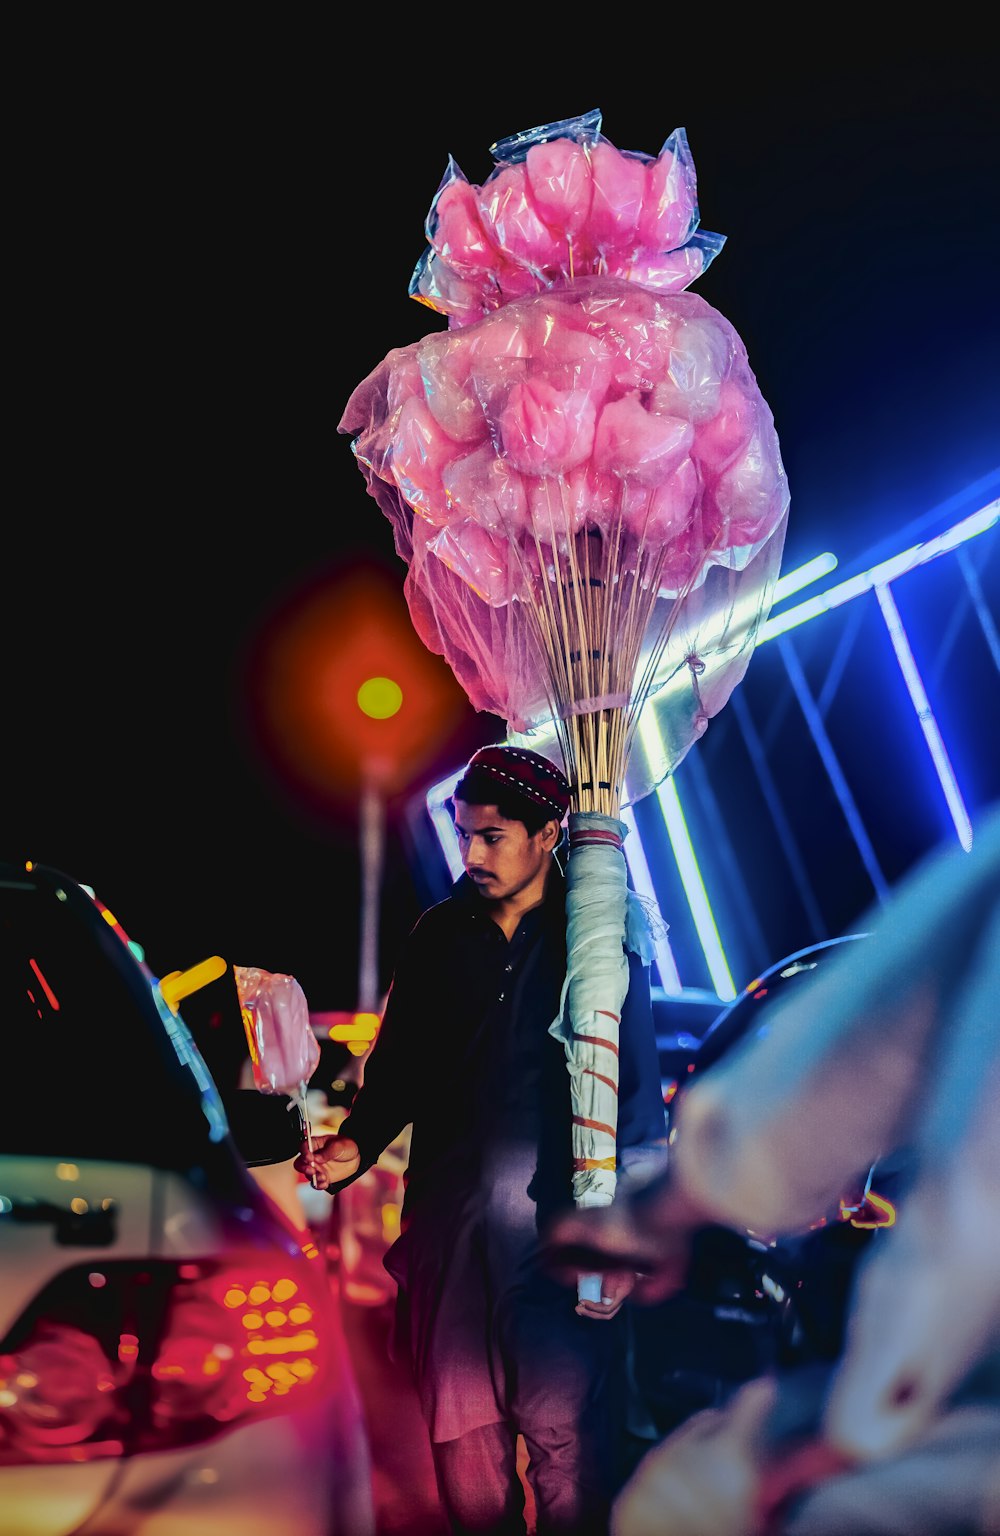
<point>101,1067</point>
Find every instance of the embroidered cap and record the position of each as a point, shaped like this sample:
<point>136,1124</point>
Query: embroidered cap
<point>524,773</point>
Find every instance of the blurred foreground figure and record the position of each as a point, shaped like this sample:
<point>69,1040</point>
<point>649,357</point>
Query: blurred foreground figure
<point>894,1048</point>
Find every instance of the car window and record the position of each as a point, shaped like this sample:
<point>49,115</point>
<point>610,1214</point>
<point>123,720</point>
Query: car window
<point>90,1069</point>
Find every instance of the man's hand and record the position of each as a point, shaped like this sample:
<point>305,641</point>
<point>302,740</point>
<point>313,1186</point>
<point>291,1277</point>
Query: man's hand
<point>646,1236</point>
<point>332,1159</point>
<point>616,1288</point>
<point>702,1480</point>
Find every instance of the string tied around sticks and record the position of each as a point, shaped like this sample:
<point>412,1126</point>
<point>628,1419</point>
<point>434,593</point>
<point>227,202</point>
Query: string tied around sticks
<point>593,705</point>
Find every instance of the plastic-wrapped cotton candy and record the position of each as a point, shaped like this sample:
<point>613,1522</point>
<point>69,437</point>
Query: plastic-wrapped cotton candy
<point>638,445</point>
<point>619,184</point>
<point>560,182</point>
<point>284,1051</point>
<point>513,223</point>
<point>547,431</point>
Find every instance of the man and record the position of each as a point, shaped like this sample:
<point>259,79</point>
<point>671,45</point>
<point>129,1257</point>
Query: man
<point>498,1347</point>
<point>893,1048</point>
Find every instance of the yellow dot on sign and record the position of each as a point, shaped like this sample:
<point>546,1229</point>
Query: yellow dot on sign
<point>380,697</point>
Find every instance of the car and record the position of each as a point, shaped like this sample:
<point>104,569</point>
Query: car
<point>172,1354</point>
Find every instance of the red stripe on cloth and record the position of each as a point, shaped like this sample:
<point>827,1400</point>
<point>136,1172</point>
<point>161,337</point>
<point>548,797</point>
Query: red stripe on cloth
<point>585,1164</point>
<point>606,1013</point>
<point>589,1071</point>
<point>594,839</point>
<point>608,1045</point>
<point>594,1125</point>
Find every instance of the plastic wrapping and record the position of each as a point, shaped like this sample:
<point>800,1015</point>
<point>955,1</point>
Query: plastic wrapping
<point>561,203</point>
<point>601,414</point>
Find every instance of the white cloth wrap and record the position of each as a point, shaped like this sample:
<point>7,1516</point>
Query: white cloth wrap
<point>596,983</point>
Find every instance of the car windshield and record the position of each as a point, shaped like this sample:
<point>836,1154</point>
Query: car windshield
<point>90,1069</point>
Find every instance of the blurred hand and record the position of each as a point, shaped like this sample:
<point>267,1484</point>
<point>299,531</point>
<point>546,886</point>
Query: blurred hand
<point>646,1236</point>
<point>332,1159</point>
<point>703,1479</point>
<point>616,1288</point>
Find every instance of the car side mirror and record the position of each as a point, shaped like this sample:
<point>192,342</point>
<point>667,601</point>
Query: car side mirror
<point>264,1126</point>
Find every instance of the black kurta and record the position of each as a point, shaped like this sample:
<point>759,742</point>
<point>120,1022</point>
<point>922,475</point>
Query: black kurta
<point>465,1056</point>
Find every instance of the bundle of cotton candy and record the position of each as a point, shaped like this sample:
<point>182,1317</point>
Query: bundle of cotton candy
<point>598,408</point>
<point>581,409</point>
<point>562,202</point>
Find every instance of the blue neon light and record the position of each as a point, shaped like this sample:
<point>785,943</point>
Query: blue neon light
<point>877,579</point>
<point>928,724</point>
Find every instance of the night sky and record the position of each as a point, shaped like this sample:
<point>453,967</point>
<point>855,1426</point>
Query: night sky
<point>215,245</point>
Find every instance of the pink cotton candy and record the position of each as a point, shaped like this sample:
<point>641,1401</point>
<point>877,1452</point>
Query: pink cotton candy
<point>557,507</point>
<point>719,439</point>
<point>420,451</point>
<point>500,351</point>
<point>638,341</point>
<point>619,185</point>
<point>482,486</point>
<point>573,357</point>
<point>631,441</point>
<point>546,431</point>
<point>444,365</point>
<point>501,347</point>
<point>667,203</point>
<point>480,560</point>
<point>660,514</point>
<point>688,554</point>
<point>459,237</point>
<point>750,496</point>
<point>404,378</point>
<point>699,360</point>
<point>513,223</point>
<point>561,184</point>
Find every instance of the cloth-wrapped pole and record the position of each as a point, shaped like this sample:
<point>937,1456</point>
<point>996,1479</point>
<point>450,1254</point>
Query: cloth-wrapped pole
<point>603,918</point>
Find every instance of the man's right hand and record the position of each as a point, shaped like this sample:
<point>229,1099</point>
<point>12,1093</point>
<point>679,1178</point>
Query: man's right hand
<point>648,1233</point>
<point>331,1160</point>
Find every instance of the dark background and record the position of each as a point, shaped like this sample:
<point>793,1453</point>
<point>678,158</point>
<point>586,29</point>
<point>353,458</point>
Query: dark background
<point>213,238</point>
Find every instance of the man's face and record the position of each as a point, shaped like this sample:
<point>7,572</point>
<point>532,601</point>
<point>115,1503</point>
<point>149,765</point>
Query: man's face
<point>500,855</point>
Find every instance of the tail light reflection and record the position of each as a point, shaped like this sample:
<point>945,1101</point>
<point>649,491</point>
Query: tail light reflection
<point>140,1357</point>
